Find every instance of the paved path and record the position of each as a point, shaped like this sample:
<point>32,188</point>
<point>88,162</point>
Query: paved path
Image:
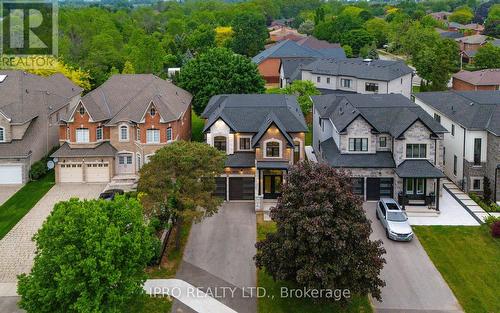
<point>17,250</point>
<point>6,191</point>
<point>219,256</point>
<point>413,282</point>
<point>465,201</point>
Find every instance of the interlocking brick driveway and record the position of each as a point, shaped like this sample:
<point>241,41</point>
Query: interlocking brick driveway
<point>17,250</point>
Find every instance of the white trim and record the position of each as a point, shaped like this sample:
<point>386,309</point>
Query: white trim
<point>102,133</point>
<point>146,158</point>
<point>427,148</point>
<point>152,130</point>
<point>138,161</point>
<point>5,116</point>
<point>481,182</point>
<point>82,129</point>
<point>301,150</point>
<point>171,134</point>
<point>238,143</point>
<point>120,132</point>
<point>368,142</point>
<point>3,138</point>
<point>264,153</point>
<point>72,115</point>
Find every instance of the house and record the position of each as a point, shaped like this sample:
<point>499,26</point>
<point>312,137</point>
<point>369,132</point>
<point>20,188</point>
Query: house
<point>473,28</point>
<point>469,45</point>
<point>390,146</point>
<point>454,26</point>
<point>114,129</point>
<point>472,144</point>
<point>30,109</point>
<point>351,75</point>
<point>284,32</point>
<point>269,60</point>
<point>488,79</point>
<point>440,16</point>
<point>449,34</point>
<point>262,136</point>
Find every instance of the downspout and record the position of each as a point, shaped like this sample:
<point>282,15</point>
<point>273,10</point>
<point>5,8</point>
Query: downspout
<point>463,162</point>
<point>496,179</point>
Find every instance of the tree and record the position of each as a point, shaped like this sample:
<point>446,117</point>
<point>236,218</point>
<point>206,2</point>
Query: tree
<point>303,89</point>
<point>379,30</point>
<point>488,56</point>
<point>250,33</point>
<point>462,15</point>
<point>201,39</point>
<point>369,52</point>
<point>322,238</point>
<point>307,27</point>
<point>487,192</point>
<point>223,36</point>
<point>128,68</point>
<point>348,51</point>
<point>356,39</point>
<point>90,257</point>
<point>146,53</point>
<point>216,72</point>
<point>179,182</point>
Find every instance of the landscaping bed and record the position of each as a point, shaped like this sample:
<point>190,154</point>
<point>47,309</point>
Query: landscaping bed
<point>492,207</point>
<point>14,209</point>
<point>273,303</point>
<point>468,258</point>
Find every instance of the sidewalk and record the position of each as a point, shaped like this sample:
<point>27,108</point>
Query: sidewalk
<point>467,203</point>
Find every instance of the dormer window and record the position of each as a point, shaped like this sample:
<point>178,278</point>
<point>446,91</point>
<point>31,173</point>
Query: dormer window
<point>2,134</point>
<point>82,110</point>
<point>152,112</point>
<point>123,133</point>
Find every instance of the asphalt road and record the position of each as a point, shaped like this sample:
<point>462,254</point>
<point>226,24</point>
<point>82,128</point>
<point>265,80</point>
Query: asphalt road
<point>414,285</point>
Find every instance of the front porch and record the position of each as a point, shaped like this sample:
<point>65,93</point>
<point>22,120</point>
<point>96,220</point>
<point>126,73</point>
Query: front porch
<point>270,177</point>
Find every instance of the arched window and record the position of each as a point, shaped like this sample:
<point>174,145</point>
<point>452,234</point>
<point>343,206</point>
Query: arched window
<point>273,149</point>
<point>124,133</point>
<point>2,134</point>
<point>220,143</point>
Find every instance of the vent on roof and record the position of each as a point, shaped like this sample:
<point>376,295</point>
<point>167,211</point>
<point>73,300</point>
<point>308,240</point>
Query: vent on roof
<point>2,78</point>
<point>471,104</point>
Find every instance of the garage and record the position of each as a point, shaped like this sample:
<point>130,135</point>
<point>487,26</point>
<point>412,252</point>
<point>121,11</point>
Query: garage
<point>70,173</point>
<point>11,174</point>
<point>97,172</point>
<point>241,188</point>
<point>221,187</point>
<point>377,188</point>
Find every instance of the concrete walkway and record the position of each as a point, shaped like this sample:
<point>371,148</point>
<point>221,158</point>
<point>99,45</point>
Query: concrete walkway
<point>465,201</point>
<point>7,191</point>
<point>17,250</point>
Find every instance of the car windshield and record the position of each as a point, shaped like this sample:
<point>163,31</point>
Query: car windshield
<point>396,216</point>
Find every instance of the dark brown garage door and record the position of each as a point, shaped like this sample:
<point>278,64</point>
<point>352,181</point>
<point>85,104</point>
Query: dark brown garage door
<point>377,188</point>
<point>221,187</point>
<point>241,188</point>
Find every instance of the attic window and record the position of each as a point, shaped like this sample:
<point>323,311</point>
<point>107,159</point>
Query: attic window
<point>82,110</point>
<point>152,112</point>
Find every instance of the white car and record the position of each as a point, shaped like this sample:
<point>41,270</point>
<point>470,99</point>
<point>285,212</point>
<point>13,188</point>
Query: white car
<point>394,220</point>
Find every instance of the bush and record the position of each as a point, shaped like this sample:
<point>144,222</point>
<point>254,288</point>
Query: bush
<point>39,169</point>
<point>490,220</point>
<point>492,207</point>
<point>495,229</point>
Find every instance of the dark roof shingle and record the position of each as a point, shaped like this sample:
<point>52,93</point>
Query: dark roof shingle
<point>333,157</point>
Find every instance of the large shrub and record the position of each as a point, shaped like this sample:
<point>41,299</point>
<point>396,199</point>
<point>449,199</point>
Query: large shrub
<point>495,229</point>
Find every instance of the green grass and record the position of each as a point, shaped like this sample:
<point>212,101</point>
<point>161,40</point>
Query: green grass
<point>415,89</point>
<point>197,124</point>
<point>309,136</point>
<point>274,303</point>
<point>23,201</point>
<point>469,260</point>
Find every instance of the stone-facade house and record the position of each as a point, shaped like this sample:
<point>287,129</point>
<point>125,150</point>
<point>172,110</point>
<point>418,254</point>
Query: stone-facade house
<point>472,144</point>
<point>114,129</point>
<point>391,147</point>
<point>30,109</point>
<point>262,136</point>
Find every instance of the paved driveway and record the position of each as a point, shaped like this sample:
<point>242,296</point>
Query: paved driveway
<point>219,253</point>
<point>6,191</point>
<point>413,282</point>
<point>17,250</point>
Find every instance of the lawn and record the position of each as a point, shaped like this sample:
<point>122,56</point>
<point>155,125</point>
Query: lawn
<point>273,303</point>
<point>469,260</point>
<point>23,201</point>
<point>197,124</point>
<point>309,136</point>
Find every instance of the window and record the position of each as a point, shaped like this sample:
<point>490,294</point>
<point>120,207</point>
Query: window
<point>401,81</point>
<point>169,134</point>
<point>244,143</point>
<point>346,83</point>
<point>68,132</point>
<point>82,135</point>
<point>416,151</point>
<point>372,87</point>
<point>82,110</point>
<point>328,80</point>
<point>358,144</point>
<point>2,134</point>
<point>382,208</point>
<point>220,143</point>
<point>455,162</point>
<point>477,151</point>
<point>409,186</point>
<point>125,159</point>
<point>152,112</point>
<point>437,117</point>
<point>296,151</point>
<point>138,134</point>
<point>318,79</point>
<point>273,149</point>
<point>153,136</point>
<point>420,186</point>
<point>98,133</point>
<point>452,129</point>
<point>444,155</point>
<point>476,184</point>
<point>124,133</point>
<point>382,142</point>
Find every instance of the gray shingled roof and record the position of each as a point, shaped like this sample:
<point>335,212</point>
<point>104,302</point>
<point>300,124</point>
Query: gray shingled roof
<point>127,97</point>
<point>248,112</point>
<point>270,120</point>
<point>333,157</point>
<point>241,159</point>
<point>273,165</point>
<point>104,149</point>
<point>474,110</point>
<point>418,169</point>
<point>387,113</point>
<point>382,70</point>
<point>291,65</point>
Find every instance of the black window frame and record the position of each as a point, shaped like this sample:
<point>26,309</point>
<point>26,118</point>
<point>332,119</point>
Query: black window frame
<point>358,142</point>
<point>455,165</point>
<point>372,87</point>
<point>272,150</point>
<point>380,142</point>
<point>244,143</point>
<point>437,117</point>
<point>478,187</point>
<point>410,153</point>
<point>477,151</point>
<point>219,144</point>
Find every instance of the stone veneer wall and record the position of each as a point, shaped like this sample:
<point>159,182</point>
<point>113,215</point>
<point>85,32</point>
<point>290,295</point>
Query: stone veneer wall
<point>493,159</point>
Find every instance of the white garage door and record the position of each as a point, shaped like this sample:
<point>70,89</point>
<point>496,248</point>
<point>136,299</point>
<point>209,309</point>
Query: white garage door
<point>97,172</point>
<point>11,174</point>
<point>71,173</point>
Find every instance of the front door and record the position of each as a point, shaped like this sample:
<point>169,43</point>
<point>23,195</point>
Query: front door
<point>415,187</point>
<point>125,164</point>
<point>273,180</point>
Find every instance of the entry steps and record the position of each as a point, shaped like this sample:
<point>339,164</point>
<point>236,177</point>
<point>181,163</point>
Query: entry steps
<point>125,182</point>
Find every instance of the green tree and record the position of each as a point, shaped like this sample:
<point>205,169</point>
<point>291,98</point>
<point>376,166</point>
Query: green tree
<point>379,29</point>
<point>323,235</point>
<point>462,15</point>
<point>488,56</point>
<point>250,33</point>
<point>348,51</point>
<point>146,53</point>
<point>307,27</point>
<point>303,89</point>
<point>90,257</point>
<point>201,39</point>
<point>179,182</point>
<point>357,39</point>
<point>219,71</point>
<point>128,68</point>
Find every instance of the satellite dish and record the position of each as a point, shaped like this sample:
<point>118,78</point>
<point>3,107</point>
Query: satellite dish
<point>55,160</point>
<point>50,165</point>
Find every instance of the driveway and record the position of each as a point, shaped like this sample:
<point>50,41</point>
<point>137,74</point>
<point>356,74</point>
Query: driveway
<point>17,250</point>
<point>219,256</point>
<point>413,282</point>
<point>7,191</point>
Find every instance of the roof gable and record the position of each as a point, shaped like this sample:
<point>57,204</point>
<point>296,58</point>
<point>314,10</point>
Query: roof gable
<point>272,119</point>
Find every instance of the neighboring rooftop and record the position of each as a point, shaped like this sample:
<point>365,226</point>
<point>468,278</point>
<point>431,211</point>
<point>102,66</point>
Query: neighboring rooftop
<point>101,150</point>
<point>376,69</point>
<point>488,77</point>
<point>450,34</point>
<point>473,39</point>
<point>474,110</point>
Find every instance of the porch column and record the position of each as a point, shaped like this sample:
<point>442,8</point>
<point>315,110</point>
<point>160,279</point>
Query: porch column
<point>404,192</point>
<point>437,194</point>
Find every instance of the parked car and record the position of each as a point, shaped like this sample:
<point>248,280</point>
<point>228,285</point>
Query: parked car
<point>394,220</point>
<point>110,194</point>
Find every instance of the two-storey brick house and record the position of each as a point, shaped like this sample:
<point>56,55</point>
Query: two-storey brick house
<point>390,145</point>
<point>115,128</point>
<point>262,135</point>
